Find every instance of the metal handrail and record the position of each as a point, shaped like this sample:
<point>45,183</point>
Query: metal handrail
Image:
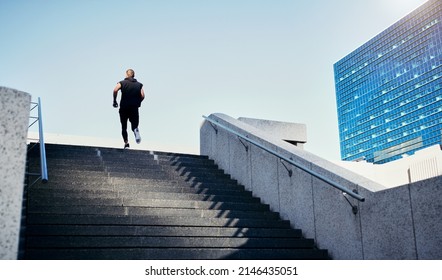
<point>345,190</point>
<point>44,168</point>
<point>43,164</point>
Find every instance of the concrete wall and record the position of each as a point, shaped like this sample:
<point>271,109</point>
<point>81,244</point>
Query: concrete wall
<point>14,120</point>
<point>396,223</point>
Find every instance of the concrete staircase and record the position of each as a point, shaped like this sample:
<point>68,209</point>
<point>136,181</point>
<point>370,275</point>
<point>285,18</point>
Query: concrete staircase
<point>103,203</point>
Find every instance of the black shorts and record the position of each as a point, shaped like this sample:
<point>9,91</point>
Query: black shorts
<point>131,114</point>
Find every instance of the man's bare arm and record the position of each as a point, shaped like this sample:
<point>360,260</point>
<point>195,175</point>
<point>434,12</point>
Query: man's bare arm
<point>142,94</point>
<point>116,89</point>
<point>115,92</point>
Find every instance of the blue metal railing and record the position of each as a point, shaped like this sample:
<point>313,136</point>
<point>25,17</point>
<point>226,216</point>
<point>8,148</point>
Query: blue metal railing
<point>344,190</point>
<point>38,119</point>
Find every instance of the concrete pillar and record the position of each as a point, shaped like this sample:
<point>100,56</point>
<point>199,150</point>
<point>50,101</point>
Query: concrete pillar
<point>14,120</point>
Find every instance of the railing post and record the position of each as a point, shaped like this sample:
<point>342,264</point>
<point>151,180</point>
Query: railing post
<point>44,170</point>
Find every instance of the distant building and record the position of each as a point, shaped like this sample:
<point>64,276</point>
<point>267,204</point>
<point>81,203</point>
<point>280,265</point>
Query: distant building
<point>389,90</point>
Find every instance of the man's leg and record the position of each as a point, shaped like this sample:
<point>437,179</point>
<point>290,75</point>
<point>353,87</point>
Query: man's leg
<point>134,121</point>
<point>123,119</point>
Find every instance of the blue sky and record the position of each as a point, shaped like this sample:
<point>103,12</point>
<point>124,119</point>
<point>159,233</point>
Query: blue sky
<point>268,59</point>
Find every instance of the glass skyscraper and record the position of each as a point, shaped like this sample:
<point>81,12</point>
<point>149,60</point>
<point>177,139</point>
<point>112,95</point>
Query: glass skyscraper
<point>389,90</point>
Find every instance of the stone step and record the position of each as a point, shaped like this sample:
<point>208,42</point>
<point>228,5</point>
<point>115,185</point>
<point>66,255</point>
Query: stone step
<point>145,174</point>
<point>175,254</point>
<point>66,163</point>
<point>120,181</point>
<point>172,157</point>
<point>92,176</point>
<point>146,211</point>
<point>53,150</point>
<point>164,242</point>
<point>180,155</point>
<point>189,163</point>
<point>132,167</point>
<point>64,166</point>
<point>70,156</point>
<point>154,203</point>
<point>57,183</point>
<point>198,175</point>
<point>129,230</point>
<point>66,219</point>
<point>72,194</point>
<point>203,168</point>
<point>121,160</point>
<point>135,189</point>
<point>139,184</point>
<point>71,172</point>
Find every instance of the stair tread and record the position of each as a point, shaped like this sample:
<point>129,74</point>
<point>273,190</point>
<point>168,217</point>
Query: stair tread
<point>66,219</point>
<point>104,188</point>
<point>75,194</point>
<point>164,242</point>
<point>135,230</point>
<point>177,254</point>
<point>146,211</point>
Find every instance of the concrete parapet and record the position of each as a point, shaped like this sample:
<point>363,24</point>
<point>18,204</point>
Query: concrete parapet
<point>294,133</point>
<point>14,120</point>
<point>393,223</point>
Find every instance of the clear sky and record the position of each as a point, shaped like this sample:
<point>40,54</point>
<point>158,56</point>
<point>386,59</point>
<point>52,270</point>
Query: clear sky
<point>267,59</point>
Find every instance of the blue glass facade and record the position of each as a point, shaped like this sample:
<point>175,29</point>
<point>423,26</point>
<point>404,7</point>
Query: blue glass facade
<point>389,90</point>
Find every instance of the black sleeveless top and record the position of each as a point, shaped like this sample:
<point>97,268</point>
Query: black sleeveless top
<point>130,93</point>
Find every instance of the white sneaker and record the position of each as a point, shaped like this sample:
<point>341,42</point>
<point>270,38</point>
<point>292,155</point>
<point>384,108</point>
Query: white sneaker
<point>137,135</point>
